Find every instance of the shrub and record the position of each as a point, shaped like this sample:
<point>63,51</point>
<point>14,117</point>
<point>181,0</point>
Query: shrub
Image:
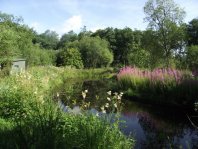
<point>37,56</point>
<point>95,52</point>
<point>70,57</point>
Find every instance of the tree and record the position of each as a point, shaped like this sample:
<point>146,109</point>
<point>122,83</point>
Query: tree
<point>122,42</point>
<point>8,44</point>
<point>95,52</point>
<point>70,57</point>
<point>192,57</point>
<point>108,34</point>
<point>84,33</point>
<point>139,58</point>
<point>8,39</point>
<point>192,32</point>
<point>48,39</point>
<point>165,18</point>
<point>66,38</point>
<point>4,17</point>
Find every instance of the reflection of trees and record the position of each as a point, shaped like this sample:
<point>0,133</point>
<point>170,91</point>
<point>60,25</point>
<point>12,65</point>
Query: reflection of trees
<point>159,134</point>
<point>97,91</point>
<point>71,90</point>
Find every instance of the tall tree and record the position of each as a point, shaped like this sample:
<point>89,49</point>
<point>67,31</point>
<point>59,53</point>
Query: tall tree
<point>66,38</point>
<point>8,38</point>
<point>84,33</point>
<point>48,39</point>
<point>165,18</point>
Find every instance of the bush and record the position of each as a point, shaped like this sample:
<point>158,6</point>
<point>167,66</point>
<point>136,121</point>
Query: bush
<point>70,57</point>
<point>95,52</point>
<point>37,56</point>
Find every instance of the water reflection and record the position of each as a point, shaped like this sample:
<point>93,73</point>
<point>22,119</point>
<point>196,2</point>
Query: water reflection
<point>153,127</point>
<point>159,127</point>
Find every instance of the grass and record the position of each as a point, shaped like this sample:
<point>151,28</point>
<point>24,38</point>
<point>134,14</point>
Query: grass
<point>31,118</point>
<point>161,86</point>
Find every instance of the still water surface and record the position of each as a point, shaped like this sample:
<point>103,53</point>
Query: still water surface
<point>152,126</point>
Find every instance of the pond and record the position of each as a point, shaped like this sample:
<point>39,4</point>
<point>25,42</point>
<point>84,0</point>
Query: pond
<point>151,126</point>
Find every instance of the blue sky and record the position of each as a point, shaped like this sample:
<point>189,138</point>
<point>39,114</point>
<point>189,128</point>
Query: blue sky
<point>65,15</point>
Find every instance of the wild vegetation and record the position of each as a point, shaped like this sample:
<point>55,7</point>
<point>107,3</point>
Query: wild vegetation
<point>159,65</point>
<point>162,86</point>
<point>30,112</point>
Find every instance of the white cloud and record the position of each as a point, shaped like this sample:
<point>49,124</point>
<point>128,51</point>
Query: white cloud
<point>37,26</point>
<point>73,23</point>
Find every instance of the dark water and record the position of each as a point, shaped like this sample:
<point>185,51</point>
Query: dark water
<point>152,126</point>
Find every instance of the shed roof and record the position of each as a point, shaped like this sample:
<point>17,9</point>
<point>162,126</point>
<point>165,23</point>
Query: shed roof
<point>19,59</point>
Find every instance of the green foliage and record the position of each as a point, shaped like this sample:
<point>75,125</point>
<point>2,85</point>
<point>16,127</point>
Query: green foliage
<point>48,39</point>
<point>165,18</point>
<point>28,113</point>
<point>36,56</point>
<point>66,38</point>
<point>139,58</point>
<point>166,87</point>
<point>151,45</point>
<point>192,32</point>
<point>122,42</point>
<point>16,42</point>
<point>84,33</point>
<point>95,52</point>
<point>8,42</point>
<point>10,18</point>
<point>192,57</point>
<point>70,57</point>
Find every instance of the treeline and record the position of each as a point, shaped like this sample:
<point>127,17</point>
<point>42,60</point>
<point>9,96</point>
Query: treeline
<point>166,43</point>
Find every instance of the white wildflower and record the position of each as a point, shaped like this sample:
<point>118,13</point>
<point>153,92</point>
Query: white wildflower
<point>115,93</point>
<point>83,95</point>
<point>109,99</point>
<point>107,105</point>
<point>119,97</point>
<point>57,94</point>
<point>115,105</point>
<point>109,93</point>
<point>97,114</point>
<point>103,111</point>
<point>102,108</point>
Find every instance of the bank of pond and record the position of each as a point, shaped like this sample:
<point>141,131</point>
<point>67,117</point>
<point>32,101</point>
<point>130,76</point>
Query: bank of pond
<point>50,107</point>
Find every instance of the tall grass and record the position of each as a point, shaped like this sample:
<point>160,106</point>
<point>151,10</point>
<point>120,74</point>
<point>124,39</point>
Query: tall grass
<point>31,118</point>
<point>168,86</point>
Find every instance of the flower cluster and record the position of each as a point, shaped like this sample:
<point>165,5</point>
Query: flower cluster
<point>113,103</point>
<point>158,74</point>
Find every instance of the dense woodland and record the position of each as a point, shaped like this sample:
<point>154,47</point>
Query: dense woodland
<point>167,42</point>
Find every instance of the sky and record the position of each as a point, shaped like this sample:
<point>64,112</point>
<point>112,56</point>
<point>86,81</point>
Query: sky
<point>66,15</point>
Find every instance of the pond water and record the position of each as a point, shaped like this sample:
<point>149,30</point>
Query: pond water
<point>152,126</point>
